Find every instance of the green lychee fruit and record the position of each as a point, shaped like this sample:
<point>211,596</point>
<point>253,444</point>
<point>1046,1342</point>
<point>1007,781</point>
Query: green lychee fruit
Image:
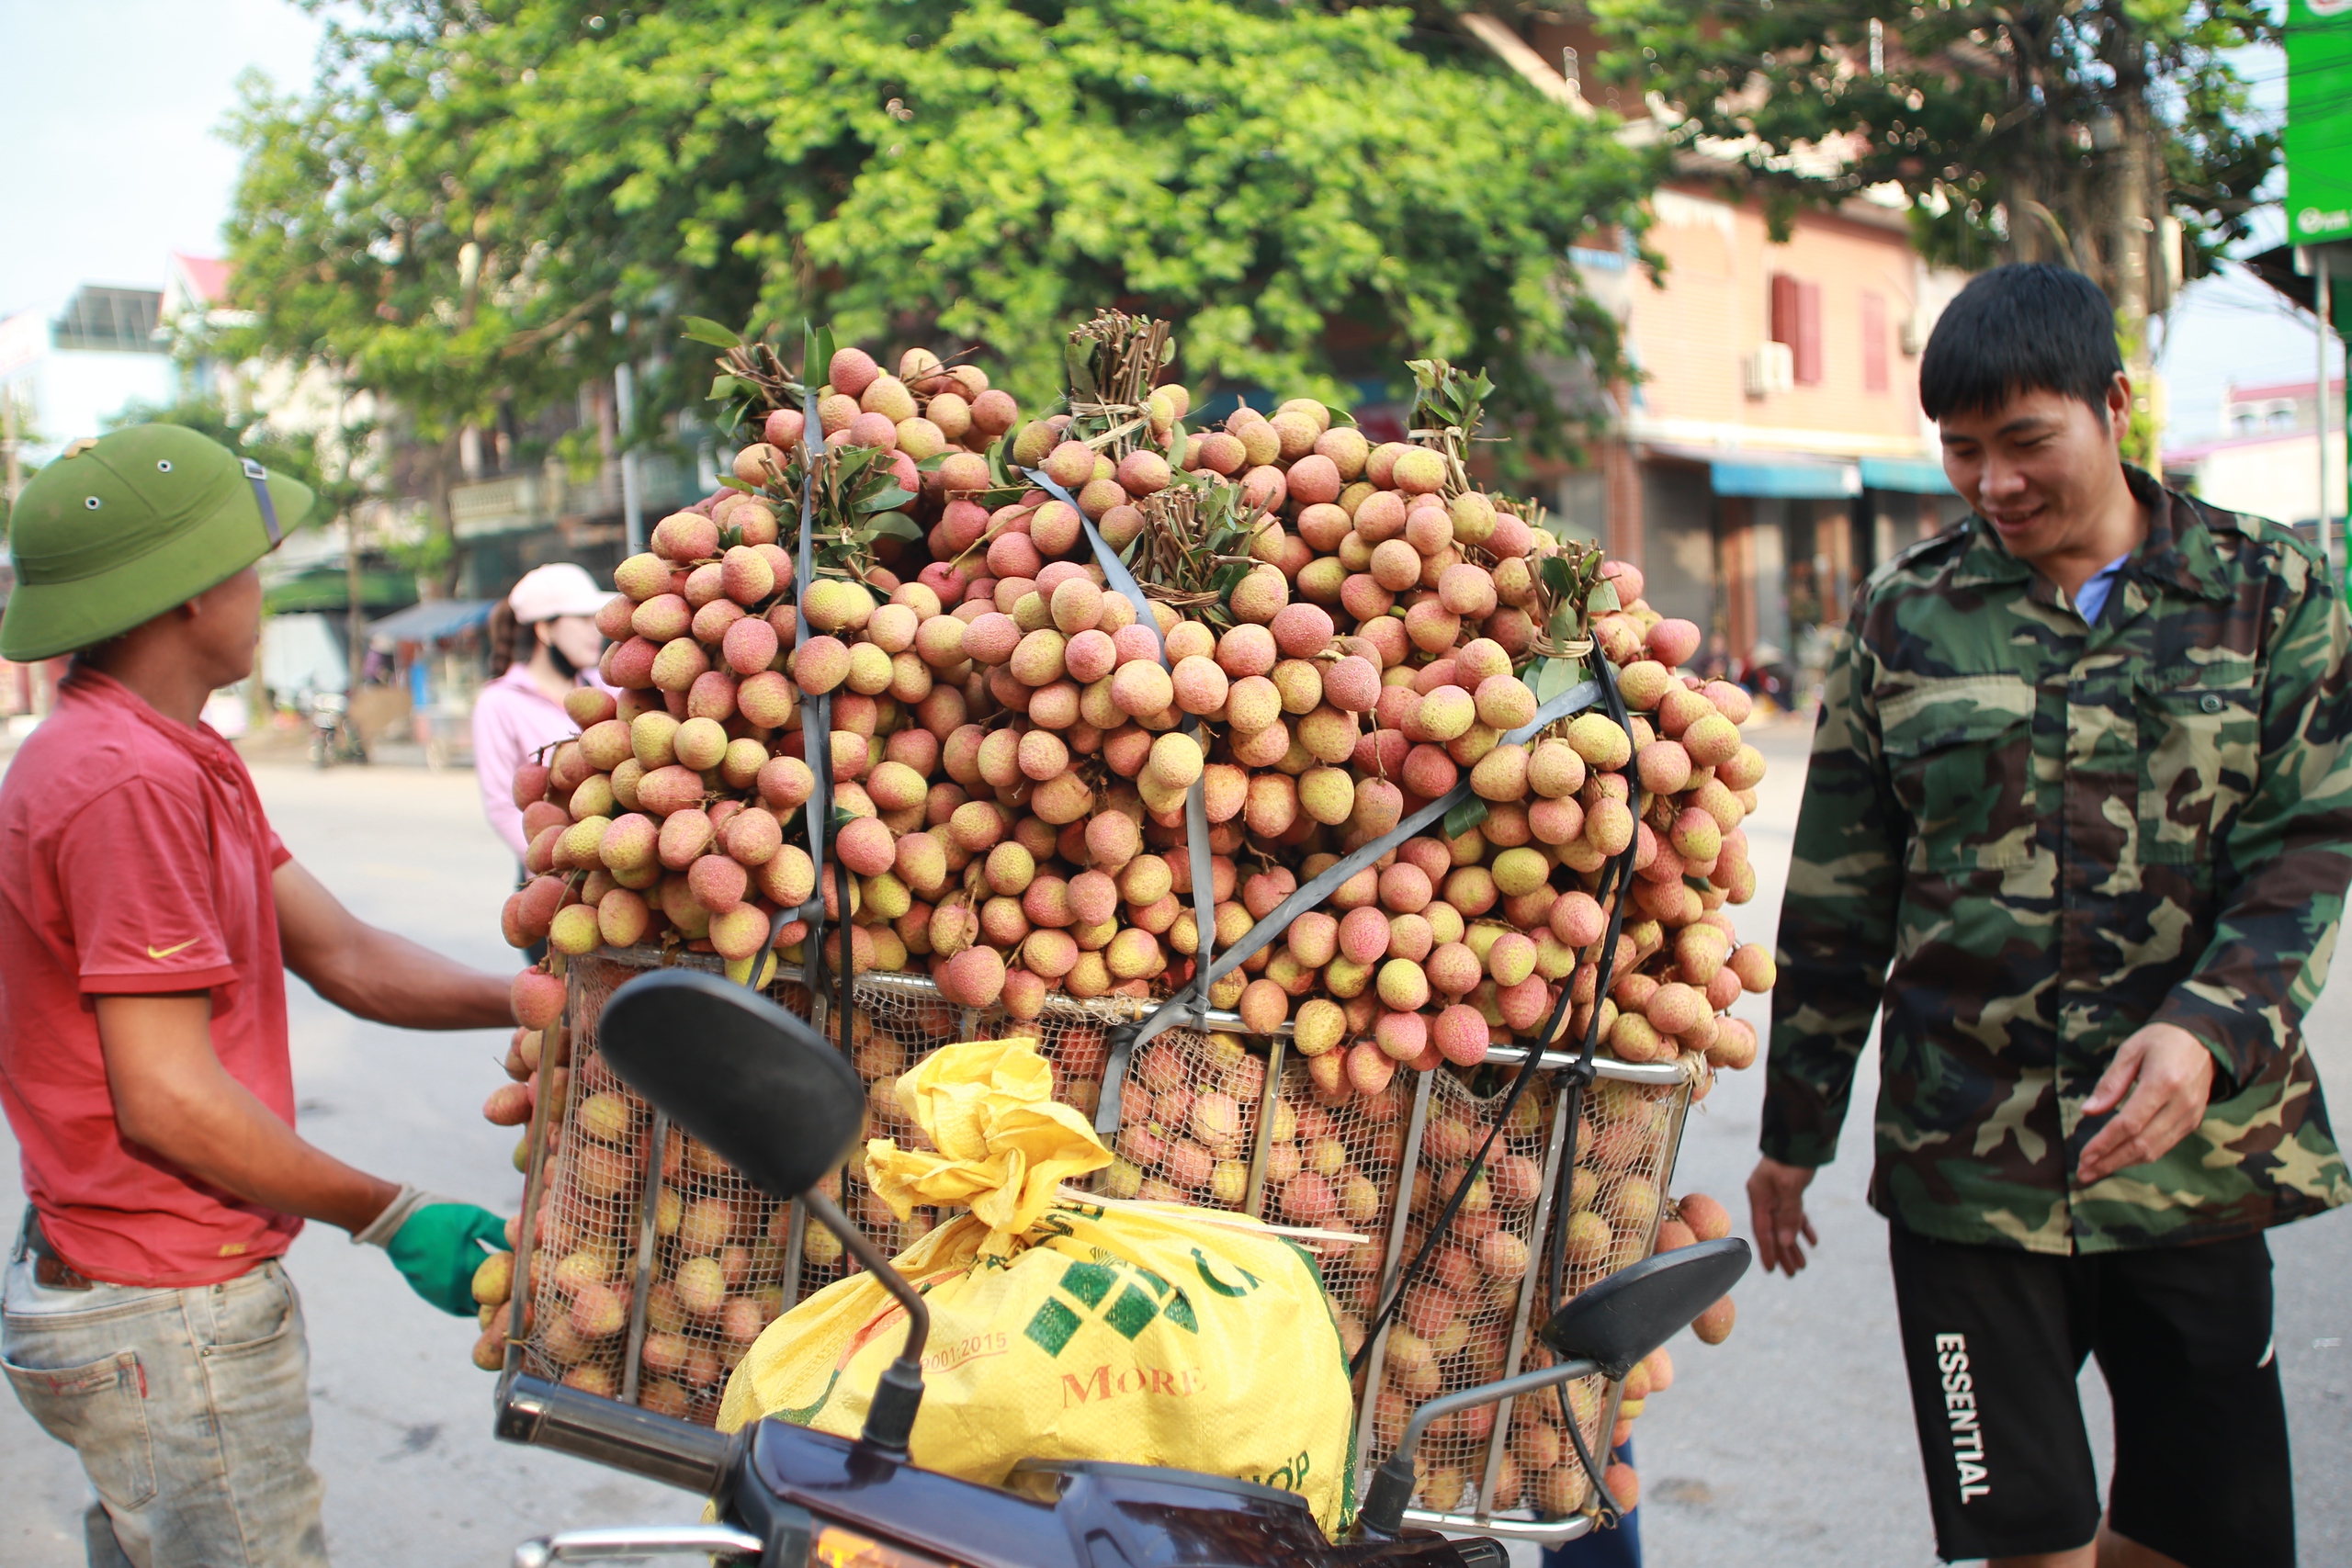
<point>1417,471</point>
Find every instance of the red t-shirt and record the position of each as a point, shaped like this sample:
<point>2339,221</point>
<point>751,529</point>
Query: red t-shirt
<point>134,858</point>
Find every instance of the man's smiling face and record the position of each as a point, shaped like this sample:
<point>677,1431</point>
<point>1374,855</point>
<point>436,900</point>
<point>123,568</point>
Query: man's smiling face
<point>2039,466</point>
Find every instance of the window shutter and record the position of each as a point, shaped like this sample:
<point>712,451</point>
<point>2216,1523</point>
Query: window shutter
<point>1784,309</point>
<point>1873,343</point>
<point>1807,348</point>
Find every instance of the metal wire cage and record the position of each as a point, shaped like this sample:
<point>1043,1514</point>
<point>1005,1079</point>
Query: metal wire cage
<point>651,1266</point>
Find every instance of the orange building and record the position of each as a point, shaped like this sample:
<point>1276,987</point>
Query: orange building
<point>1769,450</point>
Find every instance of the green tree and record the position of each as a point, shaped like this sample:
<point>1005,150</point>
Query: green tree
<point>2060,129</point>
<point>473,195</point>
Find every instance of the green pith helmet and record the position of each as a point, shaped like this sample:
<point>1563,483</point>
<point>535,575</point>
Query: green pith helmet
<point>122,528</point>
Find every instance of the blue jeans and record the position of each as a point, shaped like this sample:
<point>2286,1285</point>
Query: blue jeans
<point>189,1409</point>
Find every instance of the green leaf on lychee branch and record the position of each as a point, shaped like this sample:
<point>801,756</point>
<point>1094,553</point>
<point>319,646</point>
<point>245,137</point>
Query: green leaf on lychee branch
<point>1553,676</point>
<point>1078,360</point>
<point>854,461</point>
<point>816,353</point>
<point>1464,816</point>
<point>702,329</point>
<point>894,525</point>
<point>888,501</point>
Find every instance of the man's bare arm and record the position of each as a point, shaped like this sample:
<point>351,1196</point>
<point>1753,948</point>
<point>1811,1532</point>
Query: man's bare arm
<point>374,974</point>
<point>171,1095</point>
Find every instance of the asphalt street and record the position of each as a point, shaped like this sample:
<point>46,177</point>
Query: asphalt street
<point>1791,1444</point>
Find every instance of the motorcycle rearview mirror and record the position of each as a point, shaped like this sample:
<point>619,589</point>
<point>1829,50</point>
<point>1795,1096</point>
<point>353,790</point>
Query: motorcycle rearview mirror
<point>1605,1329</point>
<point>1624,1317</point>
<point>772,1100</point>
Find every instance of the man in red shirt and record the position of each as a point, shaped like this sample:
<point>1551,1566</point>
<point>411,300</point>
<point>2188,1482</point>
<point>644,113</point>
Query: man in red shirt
<point>147,917</point>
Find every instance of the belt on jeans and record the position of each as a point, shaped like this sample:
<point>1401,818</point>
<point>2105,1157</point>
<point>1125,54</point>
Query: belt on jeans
<point>50,1271</point>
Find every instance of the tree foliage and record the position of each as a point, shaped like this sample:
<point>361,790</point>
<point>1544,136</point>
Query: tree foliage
<point>473,189</point>
<point>2043,130</point>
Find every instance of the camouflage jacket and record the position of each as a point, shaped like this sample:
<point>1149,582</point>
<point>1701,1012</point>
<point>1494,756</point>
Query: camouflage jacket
<point>2058,832</point>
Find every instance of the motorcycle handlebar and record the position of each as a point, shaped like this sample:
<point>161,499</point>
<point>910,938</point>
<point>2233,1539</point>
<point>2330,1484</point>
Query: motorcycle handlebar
<point>659,1448</point>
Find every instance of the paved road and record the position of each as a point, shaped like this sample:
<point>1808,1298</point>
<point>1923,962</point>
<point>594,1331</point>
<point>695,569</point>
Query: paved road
<point>1790,1445</point>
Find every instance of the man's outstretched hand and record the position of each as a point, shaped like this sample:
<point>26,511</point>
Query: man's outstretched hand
<point>436,1245</point>
<point>2162,1076</point>
<point>1776,1211</point>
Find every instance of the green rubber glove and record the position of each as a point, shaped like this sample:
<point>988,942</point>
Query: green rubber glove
<point>437,1244</point>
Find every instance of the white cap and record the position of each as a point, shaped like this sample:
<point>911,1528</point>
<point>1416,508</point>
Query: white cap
<point>561,589</point>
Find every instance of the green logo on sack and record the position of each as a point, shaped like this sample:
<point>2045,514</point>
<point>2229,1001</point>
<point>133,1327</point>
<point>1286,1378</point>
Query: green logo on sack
<point>1130,1312</point>
<point>1052,1327</point>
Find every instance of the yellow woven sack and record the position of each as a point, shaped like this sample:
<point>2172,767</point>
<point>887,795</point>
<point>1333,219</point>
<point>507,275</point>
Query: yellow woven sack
<point>1062,1328</point>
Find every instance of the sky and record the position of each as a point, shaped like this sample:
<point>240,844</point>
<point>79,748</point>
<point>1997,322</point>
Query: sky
<point>104,168</point>
<point>108,152</point>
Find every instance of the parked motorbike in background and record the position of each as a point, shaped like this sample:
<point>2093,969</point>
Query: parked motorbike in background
<point>334,738</point>
<point>769,1096</point>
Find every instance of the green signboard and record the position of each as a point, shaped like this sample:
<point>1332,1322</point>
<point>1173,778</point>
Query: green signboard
<point>2319,121</point>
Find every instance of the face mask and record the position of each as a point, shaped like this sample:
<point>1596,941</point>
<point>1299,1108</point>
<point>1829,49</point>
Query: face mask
<point>569,670</point>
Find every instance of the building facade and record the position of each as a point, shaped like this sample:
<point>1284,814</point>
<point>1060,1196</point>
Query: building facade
<point>64,373</point>
<point>2267,462</point>
<point>1768,451</point>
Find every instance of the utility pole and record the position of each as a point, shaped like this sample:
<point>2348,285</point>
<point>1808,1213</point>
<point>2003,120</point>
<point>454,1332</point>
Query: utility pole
<point>8,440</point>
<point>2337,565</point>
<point>356,610</point>
<point>2121,130</point>
<point>624,409</point>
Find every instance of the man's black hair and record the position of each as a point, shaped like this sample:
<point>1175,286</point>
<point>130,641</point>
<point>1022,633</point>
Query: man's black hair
<point>2027,327</point>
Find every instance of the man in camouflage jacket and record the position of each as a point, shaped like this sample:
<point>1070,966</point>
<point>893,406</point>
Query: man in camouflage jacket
<point>2078,824</point>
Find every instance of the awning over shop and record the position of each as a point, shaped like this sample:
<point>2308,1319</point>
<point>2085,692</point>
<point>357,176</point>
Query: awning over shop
<point>1913,476</point>
<point>328,588</point>
<point>430,621</point>
<point>1795,479</point>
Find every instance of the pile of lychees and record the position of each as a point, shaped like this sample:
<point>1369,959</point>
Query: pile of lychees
<point>1338,634</point>
<point>1013,748</point>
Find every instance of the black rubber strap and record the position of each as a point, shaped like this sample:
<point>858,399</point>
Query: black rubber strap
<point>1196,821</point>
<point>1324,884</point>
<point>1615,878</point>
<point>1620,873</point>
<point>816,725</point>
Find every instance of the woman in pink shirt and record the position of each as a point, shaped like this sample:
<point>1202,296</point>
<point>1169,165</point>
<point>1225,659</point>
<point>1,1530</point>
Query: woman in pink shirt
<point>554,607</point>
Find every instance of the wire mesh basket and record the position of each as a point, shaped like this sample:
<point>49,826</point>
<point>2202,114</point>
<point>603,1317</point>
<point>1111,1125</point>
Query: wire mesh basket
<point>653,1266</point>
<point>1204,1119</point>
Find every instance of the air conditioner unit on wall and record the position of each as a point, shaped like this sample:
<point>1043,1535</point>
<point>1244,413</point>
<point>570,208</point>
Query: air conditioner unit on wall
<point>1916,327</point>
<point>1769,367</point>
